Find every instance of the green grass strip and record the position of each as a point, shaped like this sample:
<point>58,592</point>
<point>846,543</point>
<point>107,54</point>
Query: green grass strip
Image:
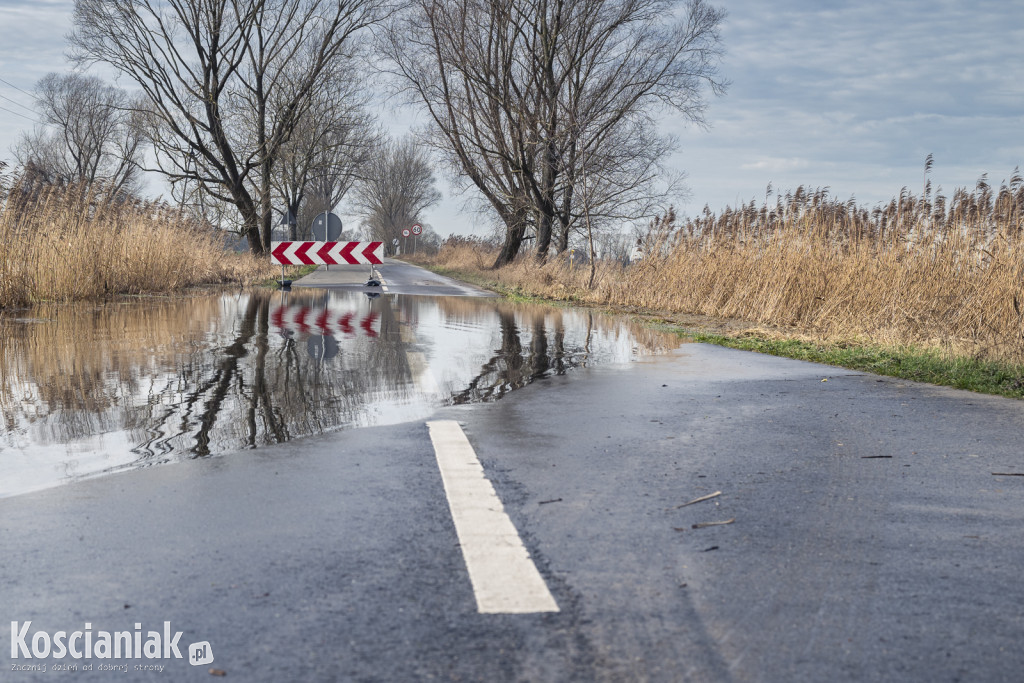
<point>291,273</point>
<point>919,365</point>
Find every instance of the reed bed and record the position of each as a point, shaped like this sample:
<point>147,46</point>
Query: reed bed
<point>71,243</point>
<point>927,271</point>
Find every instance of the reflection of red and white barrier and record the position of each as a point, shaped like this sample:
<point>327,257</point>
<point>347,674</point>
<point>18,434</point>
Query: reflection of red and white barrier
<point>307,319</point>
<point>326,253</point>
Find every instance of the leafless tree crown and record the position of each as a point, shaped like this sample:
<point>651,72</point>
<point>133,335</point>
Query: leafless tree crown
<point>226,83</point>
<point>89,135</point>
<point>397,187</point>
<point>524,97</point>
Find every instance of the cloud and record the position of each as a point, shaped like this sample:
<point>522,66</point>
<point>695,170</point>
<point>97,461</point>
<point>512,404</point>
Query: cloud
<point>775,164</point>
<point>854,95</point>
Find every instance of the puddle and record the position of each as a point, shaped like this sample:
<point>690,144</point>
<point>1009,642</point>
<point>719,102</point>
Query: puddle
<point>94,389</point>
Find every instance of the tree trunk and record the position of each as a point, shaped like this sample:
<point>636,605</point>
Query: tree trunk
<point>510,248</point>
<point>515,228</point>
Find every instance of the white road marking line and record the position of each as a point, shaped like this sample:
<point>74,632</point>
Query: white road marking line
<point>504,578</point>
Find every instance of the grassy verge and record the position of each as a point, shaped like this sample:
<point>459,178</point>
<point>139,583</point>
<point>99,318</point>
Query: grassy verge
<point>290,273</point>
<point>921,365</point>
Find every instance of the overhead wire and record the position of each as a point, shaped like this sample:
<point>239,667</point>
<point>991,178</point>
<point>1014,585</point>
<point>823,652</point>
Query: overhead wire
<point>11,111</point>
<point>15,102</point>
<point>4,97</point>
<point>8,83</point>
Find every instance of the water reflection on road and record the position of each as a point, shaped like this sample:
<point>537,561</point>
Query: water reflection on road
<point>92,389</point>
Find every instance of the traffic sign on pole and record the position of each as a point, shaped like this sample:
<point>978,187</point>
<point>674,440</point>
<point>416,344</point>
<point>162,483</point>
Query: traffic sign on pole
<point>326,227</point>
<point>417,229</point>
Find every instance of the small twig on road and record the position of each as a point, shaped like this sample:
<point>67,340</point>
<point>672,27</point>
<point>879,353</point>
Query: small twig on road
<point>1008,474</point>
<point>701,525</point>
<point>874,457</point>
<point>699,500</point>
<point>553,500</point>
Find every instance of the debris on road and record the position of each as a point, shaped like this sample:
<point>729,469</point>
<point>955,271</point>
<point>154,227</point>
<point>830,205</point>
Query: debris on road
<point>1008,474</point>
<point>874,457</point>
<point>701,525</point>
<point>699,500</point>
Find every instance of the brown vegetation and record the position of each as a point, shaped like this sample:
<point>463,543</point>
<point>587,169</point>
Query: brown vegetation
<point>68,243</point>
<point>928,271</point>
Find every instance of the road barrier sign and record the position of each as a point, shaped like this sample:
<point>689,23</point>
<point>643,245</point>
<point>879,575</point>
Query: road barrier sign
<point>326,253</point>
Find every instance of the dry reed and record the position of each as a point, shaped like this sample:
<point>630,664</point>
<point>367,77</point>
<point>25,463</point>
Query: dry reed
<point>926,271</point>
<point>70,243</point>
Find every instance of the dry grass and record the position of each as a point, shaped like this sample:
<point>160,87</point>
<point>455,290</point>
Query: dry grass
<point>67,243</point>
<point>926,271</point>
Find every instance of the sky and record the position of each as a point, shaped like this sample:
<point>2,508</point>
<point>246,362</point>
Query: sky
<point>849,95</point>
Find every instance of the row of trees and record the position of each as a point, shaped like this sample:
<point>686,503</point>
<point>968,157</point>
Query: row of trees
<point>545,108</point>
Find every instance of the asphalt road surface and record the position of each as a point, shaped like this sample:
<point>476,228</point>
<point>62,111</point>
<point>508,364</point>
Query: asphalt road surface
<point>864,529</point>
<point>396,277</point>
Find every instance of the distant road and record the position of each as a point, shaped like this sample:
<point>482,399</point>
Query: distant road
<point>397,277</point>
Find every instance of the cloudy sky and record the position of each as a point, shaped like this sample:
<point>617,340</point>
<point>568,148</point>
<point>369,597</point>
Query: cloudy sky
<point>850,95</point>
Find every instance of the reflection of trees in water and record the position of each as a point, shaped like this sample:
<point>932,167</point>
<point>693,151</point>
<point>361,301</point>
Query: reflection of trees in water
<point>519,362</point>
<point>212,373</point>
<point>261,391</point>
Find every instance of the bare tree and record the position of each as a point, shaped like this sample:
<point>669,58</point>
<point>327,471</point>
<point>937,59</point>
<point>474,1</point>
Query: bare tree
<point>398,186</point>
<point>226,82</point>
<point>518,92</point>
<point>90,134</point>
<point>328,150</point>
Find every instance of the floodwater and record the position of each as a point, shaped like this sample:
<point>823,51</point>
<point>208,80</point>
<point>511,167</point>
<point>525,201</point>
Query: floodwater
<point>91,389</point>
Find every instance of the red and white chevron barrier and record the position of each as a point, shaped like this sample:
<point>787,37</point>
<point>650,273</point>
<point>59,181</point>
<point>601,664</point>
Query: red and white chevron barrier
<point>326,253</point>
<point>307,319</point>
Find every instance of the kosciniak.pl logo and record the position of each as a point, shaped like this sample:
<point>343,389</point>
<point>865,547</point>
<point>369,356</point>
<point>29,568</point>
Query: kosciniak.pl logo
<point>89,644</point>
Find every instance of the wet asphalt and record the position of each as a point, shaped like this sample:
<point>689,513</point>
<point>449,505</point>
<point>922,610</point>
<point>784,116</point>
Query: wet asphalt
<point>859,534</point>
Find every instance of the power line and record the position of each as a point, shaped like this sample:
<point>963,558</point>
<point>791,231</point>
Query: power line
<point>17,88</point>
<point>4,97</point>
<point>11,111</point>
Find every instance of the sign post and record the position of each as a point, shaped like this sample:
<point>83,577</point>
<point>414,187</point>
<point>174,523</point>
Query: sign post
<point>326,227</point>
<point>405,238</point>
<point>416,230</point>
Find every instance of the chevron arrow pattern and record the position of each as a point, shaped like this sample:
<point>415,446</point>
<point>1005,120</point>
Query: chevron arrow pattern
<point>306,320</point>
<point>326,253</point>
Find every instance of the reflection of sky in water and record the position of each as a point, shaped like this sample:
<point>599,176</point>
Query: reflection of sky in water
<point>91,389</point>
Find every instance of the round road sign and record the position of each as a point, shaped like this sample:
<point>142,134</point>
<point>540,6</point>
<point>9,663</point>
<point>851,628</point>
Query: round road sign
<point>417,229</point>
<point>405,233</point>
<point>326,227</point>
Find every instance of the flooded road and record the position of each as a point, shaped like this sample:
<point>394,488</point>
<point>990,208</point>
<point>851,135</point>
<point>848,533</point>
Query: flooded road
<point>98,388</point>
